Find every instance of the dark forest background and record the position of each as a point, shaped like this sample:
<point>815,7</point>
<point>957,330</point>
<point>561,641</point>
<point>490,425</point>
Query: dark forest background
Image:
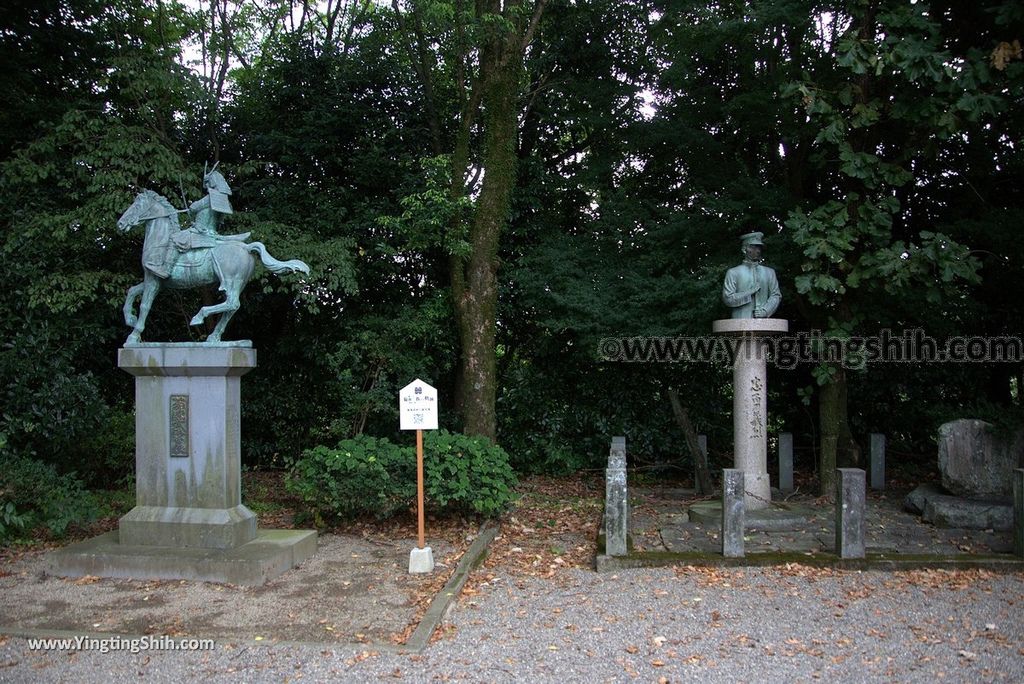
<point>486,190</point>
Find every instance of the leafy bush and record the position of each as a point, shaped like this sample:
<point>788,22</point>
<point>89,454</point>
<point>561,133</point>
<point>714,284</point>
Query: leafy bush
<point>466,474</point>
<point>361,476</point>
<point>33,494</point>
<point>372,476</point>
<point>11,522</point>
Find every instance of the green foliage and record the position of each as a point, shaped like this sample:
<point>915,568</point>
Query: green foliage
<point>370,476</point>
<point>361,476</point>
<point>879,150</point>
<point>466,474</point>
<point>36,495</point>
<point>11,522</point>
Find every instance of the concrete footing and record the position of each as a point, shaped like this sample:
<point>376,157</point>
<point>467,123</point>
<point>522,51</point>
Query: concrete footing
<point>270,554</point>
<point>421,560</point>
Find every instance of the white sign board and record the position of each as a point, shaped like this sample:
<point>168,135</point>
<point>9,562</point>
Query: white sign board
<point>417,406</point>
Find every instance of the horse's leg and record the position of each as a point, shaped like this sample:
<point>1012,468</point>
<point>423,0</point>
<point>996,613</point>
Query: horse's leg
<point>150,288</point>
<point>234,266</point>
<point>209,311</point>
<point>230,306</point>
<point>129,303</point>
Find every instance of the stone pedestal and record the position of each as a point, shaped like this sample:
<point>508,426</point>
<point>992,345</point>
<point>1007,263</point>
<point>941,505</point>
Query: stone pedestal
<point>187,447</point>
<point>749,402</point>
<point>189,521</point>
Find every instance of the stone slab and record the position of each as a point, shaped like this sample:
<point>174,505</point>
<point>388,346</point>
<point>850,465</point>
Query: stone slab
<point>190,360</point>
<point>915,501</point>
<point>272,553</point>
<point>948,511</point>
<point>774,518</point>
<point>968,514</point>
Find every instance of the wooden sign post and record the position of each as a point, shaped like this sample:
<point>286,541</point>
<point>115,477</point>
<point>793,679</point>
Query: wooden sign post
<point>417,410</point>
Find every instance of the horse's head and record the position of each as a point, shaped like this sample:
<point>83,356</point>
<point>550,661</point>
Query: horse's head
<point>147,205</point>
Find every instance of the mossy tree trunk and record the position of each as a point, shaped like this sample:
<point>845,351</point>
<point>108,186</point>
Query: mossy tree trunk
<point>475,278</point>
<point>838,448</point>
<point>505,30</point>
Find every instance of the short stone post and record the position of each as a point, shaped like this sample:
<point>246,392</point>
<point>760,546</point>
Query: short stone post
<point>850,512</point>
<point>786,462</point>
<point>733,512</point>
<point>877,461</point>
<point>616,503</point>
<point>1018,512</point>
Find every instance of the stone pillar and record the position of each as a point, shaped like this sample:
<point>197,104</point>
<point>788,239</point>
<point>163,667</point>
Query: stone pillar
<point>749,402</point>
<point>786,462</point>
<point>877,461</point>
<point>616,503</point>
<point>850,512</point>
<point>1018,512</point>
<point>733,513</point>
<point>187,446</point>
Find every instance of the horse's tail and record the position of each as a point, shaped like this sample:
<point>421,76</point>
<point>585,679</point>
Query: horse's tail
<point>273,265</point>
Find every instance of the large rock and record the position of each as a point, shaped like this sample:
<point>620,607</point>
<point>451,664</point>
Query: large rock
<point>977,462</point>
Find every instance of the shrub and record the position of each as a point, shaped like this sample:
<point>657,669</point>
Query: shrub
<point>33,494</point>
<point>374,476</point>
<point>11,522</point>
<point>360,476</point>
<point>466,474</point>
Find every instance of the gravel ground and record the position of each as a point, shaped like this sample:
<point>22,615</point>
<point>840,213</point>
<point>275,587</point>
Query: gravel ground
<point>673,624</point>
<point>352,590</point>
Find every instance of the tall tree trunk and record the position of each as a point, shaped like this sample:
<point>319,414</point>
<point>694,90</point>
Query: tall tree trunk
<point>495,90</point>
<point>475,281</point>
<point>838,448</point>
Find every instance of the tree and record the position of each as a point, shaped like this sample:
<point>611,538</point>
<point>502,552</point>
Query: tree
<point>897,93</point>
<point>482,54</point>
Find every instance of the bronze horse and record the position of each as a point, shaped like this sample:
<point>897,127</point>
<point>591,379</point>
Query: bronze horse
<point>229,262</point>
